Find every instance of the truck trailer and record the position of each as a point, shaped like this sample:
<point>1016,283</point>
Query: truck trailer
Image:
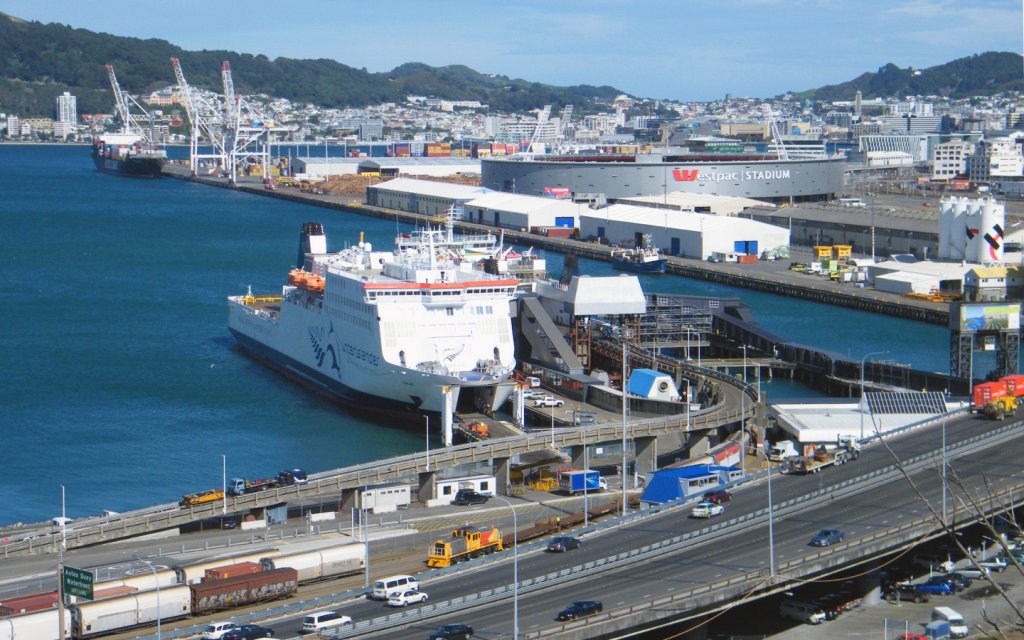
<point>825,456</point>
<point>573,482</point>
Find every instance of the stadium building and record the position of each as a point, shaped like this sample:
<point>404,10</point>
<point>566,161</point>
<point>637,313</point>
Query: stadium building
<point>623,176</point>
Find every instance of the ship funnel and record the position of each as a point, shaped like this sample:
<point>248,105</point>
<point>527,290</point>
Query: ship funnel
<point>311,240</point>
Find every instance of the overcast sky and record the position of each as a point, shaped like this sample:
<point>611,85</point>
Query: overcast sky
<point>685,50</point>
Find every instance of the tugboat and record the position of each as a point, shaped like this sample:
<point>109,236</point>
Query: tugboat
<point>646,258</point>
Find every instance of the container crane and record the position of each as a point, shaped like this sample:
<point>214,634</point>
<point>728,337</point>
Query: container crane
<point>123,103</point>
<point>246,130</point>
<point>777,144</point>
<point>206,122</point>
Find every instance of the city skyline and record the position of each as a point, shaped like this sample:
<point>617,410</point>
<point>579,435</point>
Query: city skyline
<point>702,51</point>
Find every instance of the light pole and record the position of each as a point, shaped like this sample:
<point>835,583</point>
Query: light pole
<point>586,468</point>
<point>427,418</point>
<point>515,567</point>
<point>625,400</point>
<point>156,581</point>
<point>552,427</point>
<point>224,483</point>
<point>863,362</point>
<point>743,415</point>
<point>771,522</point>
<point>943,469</point>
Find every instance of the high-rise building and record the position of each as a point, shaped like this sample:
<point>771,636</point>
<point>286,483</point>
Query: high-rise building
<point>67,109</point>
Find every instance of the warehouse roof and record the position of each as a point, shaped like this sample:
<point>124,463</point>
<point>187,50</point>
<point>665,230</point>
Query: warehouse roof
<point>519,203</point>
<point>687,201</point>
<point>406,163</point>
<point>432,188</point>
<point>684,220</point>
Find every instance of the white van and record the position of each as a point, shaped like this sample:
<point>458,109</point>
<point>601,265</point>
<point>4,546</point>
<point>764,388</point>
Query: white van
<point>801,612</point>
<point>382,589</point>
<point>957,626</point>
<point>319,620</point>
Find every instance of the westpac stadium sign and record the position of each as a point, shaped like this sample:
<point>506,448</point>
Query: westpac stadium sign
<point>696,175</point>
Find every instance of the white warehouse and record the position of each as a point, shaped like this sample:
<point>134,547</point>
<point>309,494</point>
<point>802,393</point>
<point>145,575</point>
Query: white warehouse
<point>522,213</point>
<point>677,233</point>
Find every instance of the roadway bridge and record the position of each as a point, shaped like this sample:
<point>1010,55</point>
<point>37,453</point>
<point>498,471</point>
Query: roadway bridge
<point>695,427</point>
<point>660,570</point>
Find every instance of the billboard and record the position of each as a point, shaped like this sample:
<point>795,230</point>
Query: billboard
<point>982,317</point>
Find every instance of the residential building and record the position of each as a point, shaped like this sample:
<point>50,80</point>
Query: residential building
<point>67,109</point>
<point>997,158</point>
<point>949,159</point>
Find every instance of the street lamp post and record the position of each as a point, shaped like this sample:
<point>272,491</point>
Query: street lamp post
<point>586,468</point>
<point>625,401</point>
<point>157,582</point>
<point>743,415</point>
<point>771,524</point>
<point>428,442</point>
<point>515,568</point>
<point>224,482</point>
<point>863,362</point>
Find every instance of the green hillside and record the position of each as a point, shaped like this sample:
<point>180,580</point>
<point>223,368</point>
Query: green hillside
<point>40,61</point>
<point>977,75</point>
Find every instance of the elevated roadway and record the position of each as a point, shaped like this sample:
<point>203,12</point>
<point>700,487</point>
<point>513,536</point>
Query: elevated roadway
<point>168,516</point>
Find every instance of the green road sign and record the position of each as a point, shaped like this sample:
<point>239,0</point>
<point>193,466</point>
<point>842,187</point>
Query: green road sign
<point>77,582</point>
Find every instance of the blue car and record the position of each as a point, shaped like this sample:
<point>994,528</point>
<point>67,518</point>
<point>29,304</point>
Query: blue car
<point>827,537</point>
<point>936,585</point>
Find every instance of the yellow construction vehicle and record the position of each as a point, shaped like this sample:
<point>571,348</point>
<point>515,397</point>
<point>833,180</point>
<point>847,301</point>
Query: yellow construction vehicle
<point>199,498</point>
<point>466,543</point>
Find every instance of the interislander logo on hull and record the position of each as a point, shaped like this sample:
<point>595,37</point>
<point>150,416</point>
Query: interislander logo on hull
<point>694,175</point>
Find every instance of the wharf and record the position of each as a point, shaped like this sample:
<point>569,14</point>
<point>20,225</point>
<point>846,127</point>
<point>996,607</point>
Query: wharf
<point>768,276</point>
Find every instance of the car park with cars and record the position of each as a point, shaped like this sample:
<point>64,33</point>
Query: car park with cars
<point>906,591</point>
<point>936,585</point>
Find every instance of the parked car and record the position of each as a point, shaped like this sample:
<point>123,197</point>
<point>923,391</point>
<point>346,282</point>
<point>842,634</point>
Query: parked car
<point>248,632</point>
<point>717,496</point>
<point>827,537</point>
<point>405,598</point>
<point>906,591</point>
<point>468,496</point>
<point>563,543</point>
<point>936,585</point>
<point>580,609</point>
<point>932,562</point>
<point>830,605</point>
<point>216,630</point>
<point>706,510</point>
<point>995,563</point>
<point>548,401</point>
<point>959,580</point>
<point>451,632</point>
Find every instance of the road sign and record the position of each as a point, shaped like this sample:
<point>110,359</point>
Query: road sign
<point>77,582</point>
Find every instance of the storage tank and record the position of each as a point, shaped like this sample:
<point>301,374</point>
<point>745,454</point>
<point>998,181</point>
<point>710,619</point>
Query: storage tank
<point>971,233</point>
<point>989,248</point>
<point>957,229</point>
<point>946,215</point>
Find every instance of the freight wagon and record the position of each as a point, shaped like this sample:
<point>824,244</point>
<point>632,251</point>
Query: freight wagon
<point>90,619</point>
<point>216,595</point>
<point>144,580</point>
<point>39,625</point>
<point>192,573</point>
<point>321,564</point>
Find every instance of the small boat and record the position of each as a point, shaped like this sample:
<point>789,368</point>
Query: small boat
<point>639,260</point>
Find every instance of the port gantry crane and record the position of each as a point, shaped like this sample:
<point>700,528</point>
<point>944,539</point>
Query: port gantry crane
<point>206,122</point>
<point>124,102</point>
<point>247,131</point>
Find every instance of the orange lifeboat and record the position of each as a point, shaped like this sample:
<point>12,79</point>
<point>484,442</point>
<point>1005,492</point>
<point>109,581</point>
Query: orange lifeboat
<point>297,277</point>
<point>315,283</point>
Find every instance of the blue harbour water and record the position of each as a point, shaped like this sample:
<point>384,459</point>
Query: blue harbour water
<point>120,380</point>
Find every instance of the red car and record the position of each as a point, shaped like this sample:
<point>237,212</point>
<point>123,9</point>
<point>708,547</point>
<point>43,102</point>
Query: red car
<point>717,496</point>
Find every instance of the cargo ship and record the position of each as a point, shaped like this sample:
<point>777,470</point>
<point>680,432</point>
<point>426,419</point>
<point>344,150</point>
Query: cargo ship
<point>129,155</point>
<point>415,330</point>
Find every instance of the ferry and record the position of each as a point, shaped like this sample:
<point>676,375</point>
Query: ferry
<point>416,330</point>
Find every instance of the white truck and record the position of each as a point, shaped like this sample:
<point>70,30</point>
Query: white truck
<point>782,451</point>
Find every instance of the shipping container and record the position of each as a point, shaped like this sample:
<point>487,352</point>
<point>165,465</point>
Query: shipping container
<point>385,497</point>
<point>191,573</point>
<point>231,570</point>
<point>28,604</point>
<point>321,564</point>
<point>127,612</point>
<point>217,595</point>
<point>745,259</point>
<point>38,625</point>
